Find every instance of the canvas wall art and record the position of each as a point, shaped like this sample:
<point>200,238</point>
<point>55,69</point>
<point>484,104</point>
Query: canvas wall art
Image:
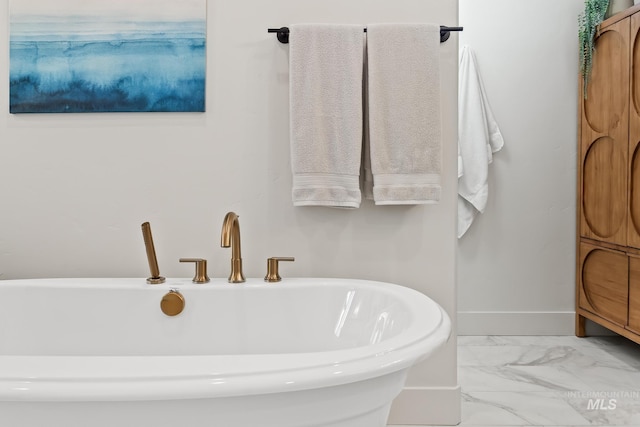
<point>70,56</point>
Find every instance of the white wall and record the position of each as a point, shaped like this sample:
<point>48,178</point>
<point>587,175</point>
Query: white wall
<point>516,264</point>
<point>75,188</point>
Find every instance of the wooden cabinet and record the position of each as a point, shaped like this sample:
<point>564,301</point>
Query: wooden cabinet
<point>604,283</point>
<point>633,234</point>
<point>608,261</point>
<point>634,294</point>
<point>604,139</point>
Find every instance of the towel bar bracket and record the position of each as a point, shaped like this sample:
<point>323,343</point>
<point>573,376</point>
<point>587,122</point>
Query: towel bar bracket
<point>282,33</point>
<point>444,34</point>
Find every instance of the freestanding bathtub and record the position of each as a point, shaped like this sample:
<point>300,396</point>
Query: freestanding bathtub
<point>302,352</point>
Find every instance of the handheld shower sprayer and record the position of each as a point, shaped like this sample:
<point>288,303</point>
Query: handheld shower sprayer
<point>155,278</point>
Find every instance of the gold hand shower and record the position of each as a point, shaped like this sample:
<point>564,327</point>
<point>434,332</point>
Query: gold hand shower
<point>155,278</point>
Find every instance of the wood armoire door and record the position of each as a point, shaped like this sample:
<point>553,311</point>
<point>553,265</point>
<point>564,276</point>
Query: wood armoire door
<point>604,134</point>
<point>633,223</point>
<point>634,294</point>
<point>604,283</point>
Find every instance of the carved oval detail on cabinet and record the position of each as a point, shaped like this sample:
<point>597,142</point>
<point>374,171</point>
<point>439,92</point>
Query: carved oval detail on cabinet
<point>635,67</point>
<point>606,98</point>
<point>604,187</point>
<point>604,285</point>
<point>634,193</point>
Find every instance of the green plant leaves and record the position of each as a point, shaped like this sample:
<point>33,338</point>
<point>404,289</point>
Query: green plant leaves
<point>588,21</point>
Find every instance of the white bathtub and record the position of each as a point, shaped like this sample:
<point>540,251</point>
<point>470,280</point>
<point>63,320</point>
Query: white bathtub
<point>302,352</point>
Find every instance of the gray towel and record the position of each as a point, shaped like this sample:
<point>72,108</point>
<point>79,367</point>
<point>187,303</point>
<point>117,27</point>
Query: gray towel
<point>326,72</point>
<point>404,142</point>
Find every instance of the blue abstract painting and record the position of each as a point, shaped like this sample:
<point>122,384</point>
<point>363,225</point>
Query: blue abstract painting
<point>72,56</point>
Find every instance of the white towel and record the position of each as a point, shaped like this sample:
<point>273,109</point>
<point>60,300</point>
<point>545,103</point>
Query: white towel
<point>326,72</point>
<point>403,77</point>
<point>478,138</point>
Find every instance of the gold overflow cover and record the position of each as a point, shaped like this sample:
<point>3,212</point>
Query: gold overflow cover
<point>172,303</point>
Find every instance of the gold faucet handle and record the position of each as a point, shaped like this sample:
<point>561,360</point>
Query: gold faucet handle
<point>272,268</point>
<point>201,269</point>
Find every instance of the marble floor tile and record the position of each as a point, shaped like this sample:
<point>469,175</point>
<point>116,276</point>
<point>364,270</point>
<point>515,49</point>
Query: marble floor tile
<point>524,364</point>
<point>624,350</point>
<point>489,379</point>
<point>518,408</point>
<point>553,381</point>
<point>607,408</point>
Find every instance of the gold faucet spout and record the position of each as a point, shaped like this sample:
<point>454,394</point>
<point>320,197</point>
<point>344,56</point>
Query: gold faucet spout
<point>230,237</point>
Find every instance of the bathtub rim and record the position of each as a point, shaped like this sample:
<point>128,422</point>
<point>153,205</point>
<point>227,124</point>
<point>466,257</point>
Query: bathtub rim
<point>73,378</point>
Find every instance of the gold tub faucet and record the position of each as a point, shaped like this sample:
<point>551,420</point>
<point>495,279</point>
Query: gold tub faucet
<point>231,238</point>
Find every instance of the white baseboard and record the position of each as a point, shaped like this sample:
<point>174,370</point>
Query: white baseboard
<point>516,323</point>
<point>427,406</point>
